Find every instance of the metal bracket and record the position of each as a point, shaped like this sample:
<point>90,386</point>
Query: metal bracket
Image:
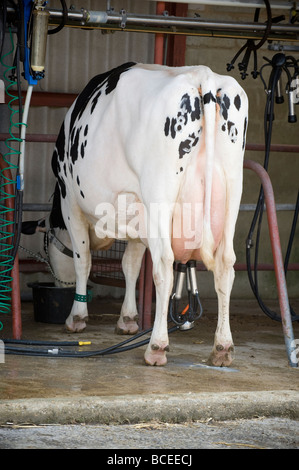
<point>85,16</point>
<point>123,19</point>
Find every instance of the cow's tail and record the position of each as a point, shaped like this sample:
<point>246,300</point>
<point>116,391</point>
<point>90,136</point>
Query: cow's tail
<point>209,109</point>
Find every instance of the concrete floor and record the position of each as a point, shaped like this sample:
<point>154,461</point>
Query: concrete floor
<point>260,369</point>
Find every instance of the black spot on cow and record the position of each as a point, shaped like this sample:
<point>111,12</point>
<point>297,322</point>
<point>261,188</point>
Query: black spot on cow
<point>74,146</point>
<point>82,150</point>
<point>71,169</point>
<point>185,103</point>
<point>115,74</point>
<point>77,254</point>
<point>64,169</point>
<point>82,194</point>
<point>95,101</point>
<point>182,120</point>
<point>78,181</point>
<point>244,133</point>
<point>60,143</point>
<point>55,162</point>
<point>186,106</point>
<point>58,153</point>
<point>72,134</point>
<point>86,130</point>
<point>225,105</point>
<point>166,126</point>
<point>226,101</point>
<point>232,131</point>
<point>197,109</point>
<point>237,102</point>
<point>186,145</point>
<point>208,97</point>
<point>110,78</point>
<point>188,111</point>
<point>62,186</point>
<point>56,219</point>
<point>228,126</point>
<point>173,127</point>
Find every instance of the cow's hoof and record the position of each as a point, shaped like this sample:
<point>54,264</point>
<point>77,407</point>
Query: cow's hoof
<point>222,356</point>
<point>75,326</point>
<point>156,355</point>
<point>126,327</point>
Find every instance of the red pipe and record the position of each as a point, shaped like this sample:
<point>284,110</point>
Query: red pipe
<point>260,267</point>
<point>15,285</point>
<point>148,291</point>
<point>176,43</point>
<point>141,284</point>
<point>16,301</point>
<point>273,148</point>
<point>43,138</point>
<point>146,308</point>
<point>277,256</point>
<point>159,38</point>
<point>44,98</point>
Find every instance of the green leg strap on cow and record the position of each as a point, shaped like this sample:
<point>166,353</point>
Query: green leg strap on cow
<point>84,298</point>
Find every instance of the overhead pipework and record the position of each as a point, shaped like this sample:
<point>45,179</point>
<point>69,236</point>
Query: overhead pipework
<point>286,29</point>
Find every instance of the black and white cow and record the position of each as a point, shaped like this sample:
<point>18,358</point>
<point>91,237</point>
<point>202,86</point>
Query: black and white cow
<point>153,155</point>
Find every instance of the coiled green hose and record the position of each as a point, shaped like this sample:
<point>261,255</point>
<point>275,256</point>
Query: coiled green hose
<point>7,223</point>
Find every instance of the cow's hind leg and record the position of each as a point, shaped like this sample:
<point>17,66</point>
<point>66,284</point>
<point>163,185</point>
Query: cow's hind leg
<point>229,151</point>
<point>222,353</point>
<point>224,274</point>
<point>131,263</point>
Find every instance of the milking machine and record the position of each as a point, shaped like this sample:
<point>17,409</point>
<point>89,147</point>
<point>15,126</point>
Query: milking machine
<point>287,66</point>
<point>281,66</point>
<point>185,273</point>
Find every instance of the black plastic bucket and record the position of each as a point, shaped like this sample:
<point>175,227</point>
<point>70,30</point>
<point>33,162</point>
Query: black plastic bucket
<point>51,304</point>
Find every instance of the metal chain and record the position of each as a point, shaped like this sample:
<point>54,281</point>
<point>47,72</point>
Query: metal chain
<point>46,260</point>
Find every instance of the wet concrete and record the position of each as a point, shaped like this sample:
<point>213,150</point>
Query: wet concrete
<point>120,388</point>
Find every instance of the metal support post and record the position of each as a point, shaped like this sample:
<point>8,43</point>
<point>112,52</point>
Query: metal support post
<point>277,258</point>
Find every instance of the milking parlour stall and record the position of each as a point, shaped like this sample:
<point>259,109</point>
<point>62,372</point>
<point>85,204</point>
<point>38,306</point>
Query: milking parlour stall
<point>149,255</point>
